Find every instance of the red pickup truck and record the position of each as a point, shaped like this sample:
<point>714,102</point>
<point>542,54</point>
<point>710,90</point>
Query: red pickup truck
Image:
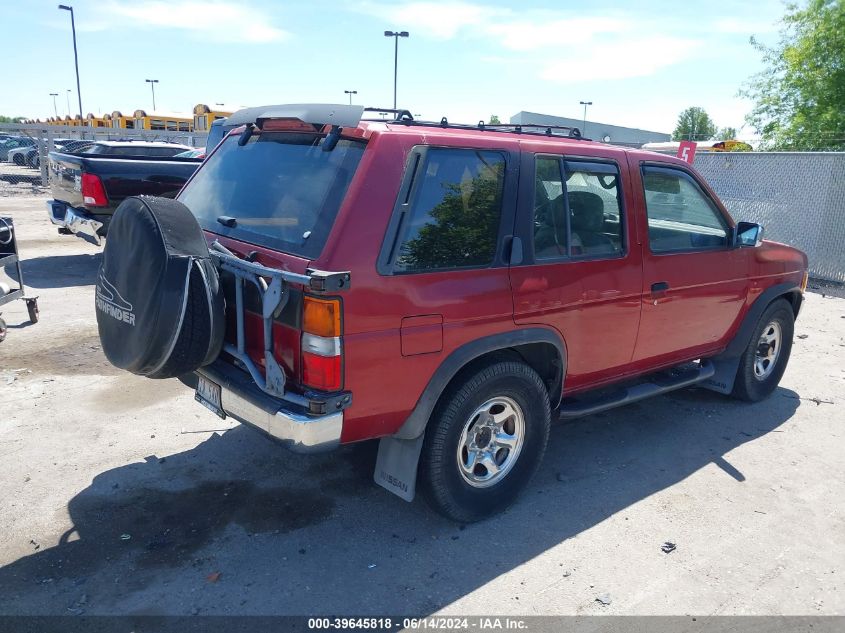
<point>448,289</point>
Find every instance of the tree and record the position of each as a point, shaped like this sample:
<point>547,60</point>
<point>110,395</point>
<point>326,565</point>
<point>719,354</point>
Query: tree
<point>694,124</point>
<point>725,134</point>
<point>11,119</point>
<point>494,120</point>
<point>800,96</point>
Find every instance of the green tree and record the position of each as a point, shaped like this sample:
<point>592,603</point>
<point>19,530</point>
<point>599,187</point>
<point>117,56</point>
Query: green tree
<point>494,120</point>
<point>800,96</point>
<point>725,134</point>
<point>462,232</point>
<point>11,119</point>
<point>694,124</point>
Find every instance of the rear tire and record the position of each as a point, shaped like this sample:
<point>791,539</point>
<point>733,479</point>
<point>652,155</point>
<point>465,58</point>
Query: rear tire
<point>763,362</point>
<point>484,441</point>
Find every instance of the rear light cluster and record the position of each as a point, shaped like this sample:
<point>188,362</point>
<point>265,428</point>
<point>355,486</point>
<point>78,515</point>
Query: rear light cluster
<point>93,192</point>
<point>322,346</point>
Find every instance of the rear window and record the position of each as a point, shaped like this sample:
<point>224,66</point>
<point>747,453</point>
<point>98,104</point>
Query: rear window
<point>281,188</point>
<point>136,150</point>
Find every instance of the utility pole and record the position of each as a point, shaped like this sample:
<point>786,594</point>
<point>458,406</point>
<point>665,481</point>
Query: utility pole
<point>65,7</point>
<point>153,83</point>
<point>585,104</point>
<point>55,110</point>
<point>395,35</point>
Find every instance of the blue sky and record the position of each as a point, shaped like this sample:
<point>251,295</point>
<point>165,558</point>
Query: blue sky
<point>639,63</point>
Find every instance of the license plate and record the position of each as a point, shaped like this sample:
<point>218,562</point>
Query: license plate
<point>209,395</point>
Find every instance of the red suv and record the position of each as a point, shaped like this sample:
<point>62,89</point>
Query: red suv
<point>449,289</point>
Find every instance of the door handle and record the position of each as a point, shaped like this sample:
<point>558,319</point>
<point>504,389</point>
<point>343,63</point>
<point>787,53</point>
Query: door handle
<point>658,291</point>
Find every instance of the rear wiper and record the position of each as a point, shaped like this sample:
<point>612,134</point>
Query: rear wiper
<point>227,220</point>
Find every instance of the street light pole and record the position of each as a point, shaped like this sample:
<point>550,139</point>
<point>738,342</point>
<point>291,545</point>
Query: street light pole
<point>152,83</point>
<point>395,35</point>
<point>585,104</point>
<point>55,110</point>
<point>65,7</point>
<point>350,93</point>
<point>67,99</point>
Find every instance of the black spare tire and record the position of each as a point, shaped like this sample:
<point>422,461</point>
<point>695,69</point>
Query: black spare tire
<point>159,305</point>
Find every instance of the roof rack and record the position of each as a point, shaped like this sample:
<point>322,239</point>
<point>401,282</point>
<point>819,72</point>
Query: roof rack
<point>404,117</point>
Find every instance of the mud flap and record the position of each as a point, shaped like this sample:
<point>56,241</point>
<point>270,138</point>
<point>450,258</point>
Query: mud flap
<point>723,380</point>
<point>396,465</point>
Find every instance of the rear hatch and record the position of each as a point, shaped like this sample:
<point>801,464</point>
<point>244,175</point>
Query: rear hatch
<point>271,197</point>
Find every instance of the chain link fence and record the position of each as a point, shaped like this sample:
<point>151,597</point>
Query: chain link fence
<point>24,149</point>
<point>799,197</point>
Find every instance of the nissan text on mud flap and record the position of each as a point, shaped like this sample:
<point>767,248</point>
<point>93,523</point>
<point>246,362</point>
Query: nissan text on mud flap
<point>329,278</point>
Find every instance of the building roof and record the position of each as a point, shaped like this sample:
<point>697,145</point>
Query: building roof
<point>617,134</point>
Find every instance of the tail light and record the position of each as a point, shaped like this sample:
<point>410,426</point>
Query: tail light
<point>93,192</point>
<point>322,346</point>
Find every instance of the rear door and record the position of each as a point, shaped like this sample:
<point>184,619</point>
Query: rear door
<point>581,272</point>
<point>694,282</point>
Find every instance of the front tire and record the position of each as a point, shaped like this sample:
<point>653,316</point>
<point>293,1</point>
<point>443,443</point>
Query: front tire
<point>484,441</point>
<point>764,360</point>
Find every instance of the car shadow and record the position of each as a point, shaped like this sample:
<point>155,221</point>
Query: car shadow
<point>58,271</point>
<point>239,525</point>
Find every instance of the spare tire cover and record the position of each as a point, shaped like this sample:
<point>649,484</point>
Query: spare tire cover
<point>159,305</point>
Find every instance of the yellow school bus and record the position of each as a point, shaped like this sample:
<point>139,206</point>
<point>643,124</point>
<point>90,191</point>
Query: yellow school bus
<point>120,121</point>
<point>204,115</point>
<point>94,120</point>
<point>175,121</point>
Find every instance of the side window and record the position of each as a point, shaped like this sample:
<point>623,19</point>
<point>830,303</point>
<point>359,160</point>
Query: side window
<point>454,216</point>
<point>680,216</point>
<point>551,233</point>
<point>595,213</point>
<point>577,209</point>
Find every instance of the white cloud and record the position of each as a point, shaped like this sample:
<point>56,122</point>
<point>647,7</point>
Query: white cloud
<point>216,20</point>
<point>526,35</point>
<point>735,26</point>
<point>560,45</point>
<point>623,58</point>
<point>440,20</point>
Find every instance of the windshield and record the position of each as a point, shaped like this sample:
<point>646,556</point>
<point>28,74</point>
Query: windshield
<point>280,190</point>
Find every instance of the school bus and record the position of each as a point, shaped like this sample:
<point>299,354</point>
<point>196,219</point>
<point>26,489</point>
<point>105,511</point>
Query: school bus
<point>120,121</point>
<point>150,120</point>
<point>94,120</point>
<point>671,147</point>
<point>204,115</point>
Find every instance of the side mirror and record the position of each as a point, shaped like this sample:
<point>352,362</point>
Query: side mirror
<point>748,234</point>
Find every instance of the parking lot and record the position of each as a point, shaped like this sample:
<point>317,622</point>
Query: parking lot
<point>122,495</point>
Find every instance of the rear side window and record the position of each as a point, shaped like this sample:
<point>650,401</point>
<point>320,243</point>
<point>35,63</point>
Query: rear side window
<point>680,216</point>
<point>280,190</point>
<point>454,214</point>
<point>577,209</point>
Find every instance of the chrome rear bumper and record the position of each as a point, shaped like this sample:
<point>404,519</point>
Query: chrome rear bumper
<point>283,420</point>
<point>74,220</point>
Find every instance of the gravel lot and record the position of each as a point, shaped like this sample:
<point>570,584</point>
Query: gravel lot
<point>122,495</point>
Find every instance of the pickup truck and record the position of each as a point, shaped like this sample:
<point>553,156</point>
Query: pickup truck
<point>88,186</point>
<point>450,290</point>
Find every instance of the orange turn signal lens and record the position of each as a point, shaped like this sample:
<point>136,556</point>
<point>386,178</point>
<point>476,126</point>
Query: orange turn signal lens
<point>321,316</point>
<point>804,280</point>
